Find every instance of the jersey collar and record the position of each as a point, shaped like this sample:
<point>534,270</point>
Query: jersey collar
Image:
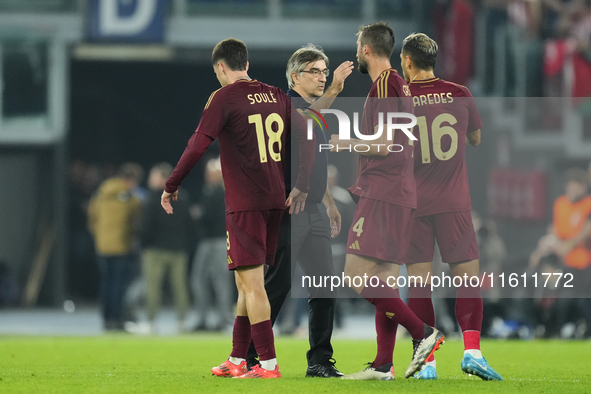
<point>425,80</point>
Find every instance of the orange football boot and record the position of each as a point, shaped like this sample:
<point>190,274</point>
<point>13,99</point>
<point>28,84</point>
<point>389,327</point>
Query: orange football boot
<point>230,370</point>
<point>257,372</point>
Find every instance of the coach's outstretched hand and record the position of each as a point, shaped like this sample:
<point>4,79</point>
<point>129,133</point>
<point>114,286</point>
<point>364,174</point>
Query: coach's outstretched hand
<point>296,201</point>
<point>165,200</point>
<point>340,74</point>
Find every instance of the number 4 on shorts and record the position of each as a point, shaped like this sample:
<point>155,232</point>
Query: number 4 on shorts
<point>358,227</point>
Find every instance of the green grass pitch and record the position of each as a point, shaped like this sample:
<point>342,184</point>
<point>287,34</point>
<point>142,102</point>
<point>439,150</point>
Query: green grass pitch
<point>126,364</point>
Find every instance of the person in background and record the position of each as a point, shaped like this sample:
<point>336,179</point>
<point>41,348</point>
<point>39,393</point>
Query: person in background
<point>572,224</point>
<point>210,270</point>
<point>112,218</point>
<point>9,287</point>
<point>166,240</point>
<point>568,242</point>
<point>571,228</point>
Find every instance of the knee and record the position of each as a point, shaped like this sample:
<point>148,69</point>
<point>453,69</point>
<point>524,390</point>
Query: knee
<point>351,269</point>
<point>249,282</point>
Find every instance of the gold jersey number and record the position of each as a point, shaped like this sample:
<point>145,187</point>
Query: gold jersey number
<point>358,227</point>
<point>274,143</point>
<point>437,133</point>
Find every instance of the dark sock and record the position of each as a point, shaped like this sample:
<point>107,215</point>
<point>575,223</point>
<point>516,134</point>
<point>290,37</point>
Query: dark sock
<point>419,301</point>
<point>388,300</point>
<point>469,308</point>
<point>386,329</point>
<point>240,337</point>
<point>264,342</point>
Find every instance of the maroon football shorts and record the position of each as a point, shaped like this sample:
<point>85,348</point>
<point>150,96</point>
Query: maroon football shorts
<point>381,230</point>
<point>455,237</point>
<point>252,237</point>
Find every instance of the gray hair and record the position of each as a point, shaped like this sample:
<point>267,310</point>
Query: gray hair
<point>300,59</point>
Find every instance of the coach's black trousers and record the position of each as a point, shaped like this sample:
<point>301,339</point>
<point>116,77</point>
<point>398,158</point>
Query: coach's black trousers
<point>304,238</point>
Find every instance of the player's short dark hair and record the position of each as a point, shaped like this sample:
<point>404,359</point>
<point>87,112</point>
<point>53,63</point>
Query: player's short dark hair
<point>576,175</point>
<point>232,52</point>
<point>379,36</point>
<point>132,171</point>
<point>164,169</point>
<point>421,49</point>
<point>301,58</point>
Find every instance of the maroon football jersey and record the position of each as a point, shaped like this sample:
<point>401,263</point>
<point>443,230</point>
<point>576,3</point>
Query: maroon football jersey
<point>445,113</point>
<point>252,121</point>
<point>388,178</point>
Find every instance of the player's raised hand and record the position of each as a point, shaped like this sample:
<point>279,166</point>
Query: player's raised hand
<point>296,201</point>
<point>165,200</point>
<point>340,74</point>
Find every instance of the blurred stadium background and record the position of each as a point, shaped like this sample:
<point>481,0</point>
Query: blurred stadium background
<point>87,85</point>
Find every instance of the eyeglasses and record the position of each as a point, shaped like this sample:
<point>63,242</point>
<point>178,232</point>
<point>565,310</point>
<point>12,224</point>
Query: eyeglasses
<point>316,72</point>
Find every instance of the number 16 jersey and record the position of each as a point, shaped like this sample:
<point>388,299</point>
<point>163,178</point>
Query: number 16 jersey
<point>446,114</point>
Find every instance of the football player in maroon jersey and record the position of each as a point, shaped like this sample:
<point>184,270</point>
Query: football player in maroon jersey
<point>446,117</point>
<point>252,121</point>
<point>385,190</point>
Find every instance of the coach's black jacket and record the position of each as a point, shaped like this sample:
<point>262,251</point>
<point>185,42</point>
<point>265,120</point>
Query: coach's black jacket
<point>319,170</point>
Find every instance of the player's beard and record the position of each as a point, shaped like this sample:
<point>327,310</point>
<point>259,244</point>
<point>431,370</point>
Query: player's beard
<point>362,66</point>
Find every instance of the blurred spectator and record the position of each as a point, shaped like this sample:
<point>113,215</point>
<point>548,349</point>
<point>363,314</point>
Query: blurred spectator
<point>166,240</point>
<point>567,58</point>
<point>9,288</point>
<point>576,20</point>
<point>112,217</point>
<point>569,242</point>
<point>210,266</point>
<point>82,270</point>
<point>492,257</point>
<point>526,15</point>
<point>454,24</point>
<point>494,16</point>
<point>553,10</point>
<point>546,301</point>
<point>492,247</point>
<point>572,224</point>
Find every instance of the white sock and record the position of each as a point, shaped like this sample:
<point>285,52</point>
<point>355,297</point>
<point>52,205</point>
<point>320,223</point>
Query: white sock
<point>235,360</point>
<point>269,365</point>
<point>474,353</point>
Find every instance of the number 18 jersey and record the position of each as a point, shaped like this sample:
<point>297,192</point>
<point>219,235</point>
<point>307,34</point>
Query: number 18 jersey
<point>252,121</point>
<point>446,114</point>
